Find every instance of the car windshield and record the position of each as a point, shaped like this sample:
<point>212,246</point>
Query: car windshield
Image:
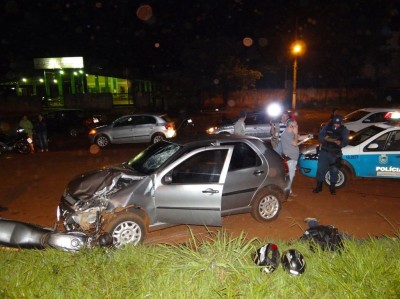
<point>354,116</point>
<point>154,156</point>
<point>364,134</point>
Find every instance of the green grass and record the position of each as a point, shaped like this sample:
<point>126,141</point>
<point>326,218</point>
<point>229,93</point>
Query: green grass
<point>220,268</point>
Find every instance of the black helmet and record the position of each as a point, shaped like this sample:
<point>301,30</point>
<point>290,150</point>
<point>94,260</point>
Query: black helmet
<point>268,257</point>
<point>293,262</point>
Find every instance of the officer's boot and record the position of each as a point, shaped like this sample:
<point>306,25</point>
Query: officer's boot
<point>318,188</point>
<point>332,189</point>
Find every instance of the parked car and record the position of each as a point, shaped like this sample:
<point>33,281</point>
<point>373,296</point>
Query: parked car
<point>170,184</point>
<point>134,128</point>
<point>71,122</point>
<point>362,118</point>
<point>257,124</point>
<point>373,152</point>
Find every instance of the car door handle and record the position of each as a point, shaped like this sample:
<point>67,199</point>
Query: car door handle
<point>211,191</point>
<point>258,172</point>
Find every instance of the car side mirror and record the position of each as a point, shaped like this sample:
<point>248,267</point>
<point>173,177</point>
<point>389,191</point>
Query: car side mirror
<point>367,120</point>
<point>168,178</point>
<point>373,146</point>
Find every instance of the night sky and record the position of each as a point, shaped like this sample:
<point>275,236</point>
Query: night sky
<point>347,41</point>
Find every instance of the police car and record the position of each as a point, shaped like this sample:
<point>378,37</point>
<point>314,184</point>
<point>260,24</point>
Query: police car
<point>373,152</point>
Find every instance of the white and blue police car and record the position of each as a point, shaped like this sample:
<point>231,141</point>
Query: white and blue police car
<point>373,152</point>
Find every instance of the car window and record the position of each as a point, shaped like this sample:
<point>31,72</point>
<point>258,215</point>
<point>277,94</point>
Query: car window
<point>125,121</point>
<point>255,119</point>
<point>380,141</point>
<point>202,168</point>
<point>376,117</point>
<point>243,156</point>
<point>364,134</point>
<point>354,116</point>
<point>394,142</point>
<point>153,157</point>
<point>145,119</point>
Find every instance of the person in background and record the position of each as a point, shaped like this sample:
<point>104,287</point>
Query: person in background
<point>239,127</point>
<point>40,129</point>
<point>290,148</point>
<point>277,129</point>
<point>335,112</point>
<point>27,125</point>
<point>333,137</point>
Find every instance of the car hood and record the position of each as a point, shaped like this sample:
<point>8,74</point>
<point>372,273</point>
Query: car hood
<point>103,182</point>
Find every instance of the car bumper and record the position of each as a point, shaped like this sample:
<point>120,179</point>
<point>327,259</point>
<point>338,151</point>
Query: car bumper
<point>308,167</point>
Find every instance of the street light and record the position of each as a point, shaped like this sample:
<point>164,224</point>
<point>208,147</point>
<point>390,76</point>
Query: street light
<point>297,48</point>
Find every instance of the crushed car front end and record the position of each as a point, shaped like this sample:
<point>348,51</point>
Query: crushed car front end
<point>90,195</point>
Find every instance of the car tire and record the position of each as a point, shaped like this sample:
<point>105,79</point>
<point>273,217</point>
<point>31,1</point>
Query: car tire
<point>126,228</point>
<point>73,132</point>
<point>157,138</point>
<point>343,178</point>
<point>102,140</point>
<point>266,205</point>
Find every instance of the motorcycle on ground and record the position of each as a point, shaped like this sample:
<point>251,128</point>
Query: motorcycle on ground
<point>19,142</point>
<point>22,235</point>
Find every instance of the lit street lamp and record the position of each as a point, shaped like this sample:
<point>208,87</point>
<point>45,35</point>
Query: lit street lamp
<point>297,48</point>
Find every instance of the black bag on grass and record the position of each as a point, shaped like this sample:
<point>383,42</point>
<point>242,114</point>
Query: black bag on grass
<point>327,237</point>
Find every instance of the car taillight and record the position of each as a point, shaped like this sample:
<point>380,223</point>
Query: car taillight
<point>285,165</point>
<point>169,126</point>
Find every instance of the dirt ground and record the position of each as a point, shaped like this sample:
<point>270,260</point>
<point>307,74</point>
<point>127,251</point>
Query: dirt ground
<point>32,185</point>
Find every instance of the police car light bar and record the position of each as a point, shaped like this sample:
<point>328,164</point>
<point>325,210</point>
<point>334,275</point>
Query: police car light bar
<point>394,115</point>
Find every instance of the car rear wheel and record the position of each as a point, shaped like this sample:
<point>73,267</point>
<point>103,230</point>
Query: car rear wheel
<point>102,141</point>
<point>157,137</point>
<point>266,205</point>
<point>126,228</point>
<point>343,178</point>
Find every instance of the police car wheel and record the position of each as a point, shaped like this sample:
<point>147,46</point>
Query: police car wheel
<point>343,177</point>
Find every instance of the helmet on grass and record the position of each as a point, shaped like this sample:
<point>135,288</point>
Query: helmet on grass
<point>267,257</point>
<point>293,262</point>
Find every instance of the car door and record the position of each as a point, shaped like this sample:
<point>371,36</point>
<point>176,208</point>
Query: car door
<point>123,129</point>
<point>381,157</point>
<point>189,191</point>
<point>246,173</point>
<point>144,127</point>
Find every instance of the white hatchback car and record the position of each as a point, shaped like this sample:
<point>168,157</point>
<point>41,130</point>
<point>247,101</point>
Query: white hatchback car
<point>362,118</point>
<point>134,128</point>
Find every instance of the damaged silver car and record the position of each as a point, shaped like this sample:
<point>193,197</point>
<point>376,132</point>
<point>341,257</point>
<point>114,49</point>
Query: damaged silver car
<point>170,184</point>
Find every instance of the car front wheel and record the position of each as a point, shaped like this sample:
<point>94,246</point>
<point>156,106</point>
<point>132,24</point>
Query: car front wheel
<point>343,177</point>
<point>102,141</point>
<point>266,205</point>
<point>126,228</point>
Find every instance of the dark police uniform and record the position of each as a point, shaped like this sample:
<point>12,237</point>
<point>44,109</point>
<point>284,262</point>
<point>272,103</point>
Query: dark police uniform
<point>330,154</point>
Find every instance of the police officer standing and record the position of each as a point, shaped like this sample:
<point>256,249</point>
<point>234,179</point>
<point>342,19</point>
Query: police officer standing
<point>333,136</point>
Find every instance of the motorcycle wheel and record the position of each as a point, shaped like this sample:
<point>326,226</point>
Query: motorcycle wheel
<point>23,148</point>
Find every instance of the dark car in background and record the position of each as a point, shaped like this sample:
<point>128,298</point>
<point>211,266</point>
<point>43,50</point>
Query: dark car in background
<point>172,183</point>
<point>71,122</point>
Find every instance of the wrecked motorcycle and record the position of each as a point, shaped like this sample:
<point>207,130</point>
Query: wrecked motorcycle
<point>29,236</point>
<point>18,142</point>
